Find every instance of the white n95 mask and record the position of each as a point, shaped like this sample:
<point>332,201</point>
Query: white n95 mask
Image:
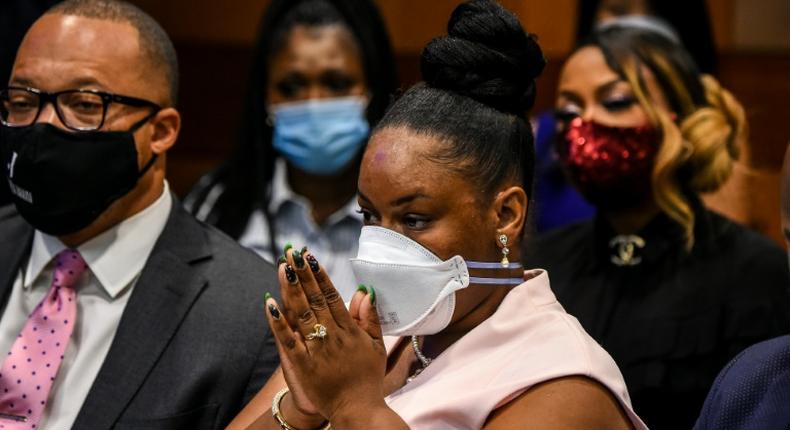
<point>415,289</point>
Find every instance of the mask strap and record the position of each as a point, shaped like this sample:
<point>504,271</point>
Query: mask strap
<point>136,126</point>
<point>495,281</point>
<point>487,265</point>
<point>479,280</point>
<point>148,165</point>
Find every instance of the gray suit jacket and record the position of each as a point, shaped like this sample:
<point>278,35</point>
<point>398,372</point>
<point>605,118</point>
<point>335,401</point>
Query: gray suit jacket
<point>193,345</point>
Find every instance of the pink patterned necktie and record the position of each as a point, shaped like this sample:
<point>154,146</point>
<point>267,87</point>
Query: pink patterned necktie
<point>32,364</point>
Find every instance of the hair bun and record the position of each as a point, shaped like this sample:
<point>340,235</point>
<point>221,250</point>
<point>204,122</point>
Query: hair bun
<point>486,56</point>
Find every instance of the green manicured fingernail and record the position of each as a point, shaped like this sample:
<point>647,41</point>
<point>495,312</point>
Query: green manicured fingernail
<point>304,249</point>
<point>267,296</point>
<point>287,247</point>
<point>363,289</point>
<point>372,294</point>
<point>298,259</point>
<point>281,260</point>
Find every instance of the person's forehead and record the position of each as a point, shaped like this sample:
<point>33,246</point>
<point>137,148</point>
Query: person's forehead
<point>587,67</point>
<point>398,146</point>
<point>403,158</point>
<point>400,163</point>
<point>331,43</point>
<point>61,51</point>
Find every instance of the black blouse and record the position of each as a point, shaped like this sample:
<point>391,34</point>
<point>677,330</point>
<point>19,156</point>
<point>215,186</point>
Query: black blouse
<point>671,319</point>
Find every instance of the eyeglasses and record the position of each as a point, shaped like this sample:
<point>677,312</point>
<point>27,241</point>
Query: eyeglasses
<point>79,110</point>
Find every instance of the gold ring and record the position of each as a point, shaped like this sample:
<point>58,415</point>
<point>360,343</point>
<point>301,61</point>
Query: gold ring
<point>319,332</point>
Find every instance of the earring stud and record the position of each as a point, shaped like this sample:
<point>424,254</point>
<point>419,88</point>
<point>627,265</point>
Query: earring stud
<point>505,250</point>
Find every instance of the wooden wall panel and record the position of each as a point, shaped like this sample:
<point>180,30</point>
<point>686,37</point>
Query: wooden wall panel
<point>214,40</point>
<point>762,25</point>
<point>553,21</point>
<point>229,22</point>
<point>722,23</point>
<point>412,23</point>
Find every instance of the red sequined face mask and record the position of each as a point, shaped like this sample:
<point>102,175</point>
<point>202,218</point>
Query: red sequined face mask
<point>611,166</point>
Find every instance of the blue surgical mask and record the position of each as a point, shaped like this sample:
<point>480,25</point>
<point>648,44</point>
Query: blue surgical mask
<point>320,136</point>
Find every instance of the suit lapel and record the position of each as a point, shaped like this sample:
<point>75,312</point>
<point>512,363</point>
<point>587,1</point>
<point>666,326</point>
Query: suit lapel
<point>18,237</point>
<point>168,286</point>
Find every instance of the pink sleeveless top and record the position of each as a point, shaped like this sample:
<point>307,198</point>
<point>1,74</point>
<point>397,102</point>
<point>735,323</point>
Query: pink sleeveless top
<point>530,339</point>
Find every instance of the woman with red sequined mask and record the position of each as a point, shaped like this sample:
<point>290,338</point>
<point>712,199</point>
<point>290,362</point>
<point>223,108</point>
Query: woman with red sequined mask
<point>671,289</point>
<point>634,112</point>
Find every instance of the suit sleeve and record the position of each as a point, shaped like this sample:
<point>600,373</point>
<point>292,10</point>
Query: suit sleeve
<point>265,364</point>
<point>712,409</point>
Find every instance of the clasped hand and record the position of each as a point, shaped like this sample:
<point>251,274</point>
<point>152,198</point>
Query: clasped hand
<point>333,359</point>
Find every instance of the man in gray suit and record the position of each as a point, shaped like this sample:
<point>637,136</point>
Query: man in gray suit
<point>119,310</point>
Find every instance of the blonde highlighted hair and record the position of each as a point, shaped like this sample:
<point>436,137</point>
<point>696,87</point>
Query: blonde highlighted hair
<point>701,131</point>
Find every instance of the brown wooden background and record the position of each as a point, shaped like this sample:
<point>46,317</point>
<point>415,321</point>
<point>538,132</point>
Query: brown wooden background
<point>214,41</point>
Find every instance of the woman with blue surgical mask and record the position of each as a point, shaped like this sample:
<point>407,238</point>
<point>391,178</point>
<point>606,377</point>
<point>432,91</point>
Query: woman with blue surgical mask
<point>322,77</point>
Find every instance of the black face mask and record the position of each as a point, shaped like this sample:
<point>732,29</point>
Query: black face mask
<point>62,181</point>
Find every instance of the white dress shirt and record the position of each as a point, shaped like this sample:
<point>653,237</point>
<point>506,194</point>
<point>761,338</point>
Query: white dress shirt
<point>115,259</point>
<point>333,243</point>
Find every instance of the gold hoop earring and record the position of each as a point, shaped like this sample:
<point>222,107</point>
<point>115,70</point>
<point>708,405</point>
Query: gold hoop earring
<point>505,250</point>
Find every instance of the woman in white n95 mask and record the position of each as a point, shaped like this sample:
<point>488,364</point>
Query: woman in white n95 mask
<point>447,331</point>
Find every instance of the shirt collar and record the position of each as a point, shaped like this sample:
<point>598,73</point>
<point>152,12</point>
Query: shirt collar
<point>282,193</point>
<point>281,190</point>
<point>115,257</point>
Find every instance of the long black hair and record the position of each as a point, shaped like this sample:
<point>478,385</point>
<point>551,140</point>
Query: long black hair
<point>242,183</point>
<point>479,84</point>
